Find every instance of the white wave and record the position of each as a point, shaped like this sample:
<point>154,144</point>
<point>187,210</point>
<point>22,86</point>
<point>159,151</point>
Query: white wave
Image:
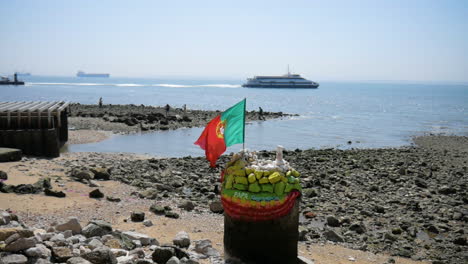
<point>78,84</point>
<point>138,85</point>
<point>172,85</point>
<point>128,85</point>
<point>219,85</point>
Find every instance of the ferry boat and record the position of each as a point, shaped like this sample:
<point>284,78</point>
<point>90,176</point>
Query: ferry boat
<point>101,75</point>
<point>285,81</point>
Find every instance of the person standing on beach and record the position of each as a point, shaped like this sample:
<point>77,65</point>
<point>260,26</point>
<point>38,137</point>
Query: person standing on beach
<point>100,102</point>
<point>260,114</point>
<point>167,108</point>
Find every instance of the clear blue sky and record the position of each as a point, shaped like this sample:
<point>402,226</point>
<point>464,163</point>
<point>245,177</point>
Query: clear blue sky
<point>323,40</point>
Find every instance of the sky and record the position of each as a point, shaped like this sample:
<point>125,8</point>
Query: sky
<point>418,40</point>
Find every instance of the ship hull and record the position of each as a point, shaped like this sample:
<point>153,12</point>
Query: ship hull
<point>285,86</point>
<point>11,83</point>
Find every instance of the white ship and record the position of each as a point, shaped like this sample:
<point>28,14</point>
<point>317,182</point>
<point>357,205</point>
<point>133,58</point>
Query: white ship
<point>286,81</point>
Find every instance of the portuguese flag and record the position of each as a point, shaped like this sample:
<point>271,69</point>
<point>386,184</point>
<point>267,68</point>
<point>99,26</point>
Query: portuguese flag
<point>223,131</point>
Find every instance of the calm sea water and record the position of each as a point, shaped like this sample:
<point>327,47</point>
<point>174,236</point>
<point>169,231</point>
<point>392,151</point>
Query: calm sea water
<point>368,114</point>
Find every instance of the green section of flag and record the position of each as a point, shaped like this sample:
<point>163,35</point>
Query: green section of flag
<point>235,124</point>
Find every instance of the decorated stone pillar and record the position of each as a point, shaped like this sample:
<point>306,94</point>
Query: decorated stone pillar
<point>261,204</point>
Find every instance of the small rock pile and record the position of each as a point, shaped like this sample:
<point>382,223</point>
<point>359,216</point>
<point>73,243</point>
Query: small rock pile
<point>96,243</point>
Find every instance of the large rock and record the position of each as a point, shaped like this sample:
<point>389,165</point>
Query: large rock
<point>204,247</point>
<point>332,236</point>
<point>173,260</point>
<point>39,251</point>
<point>96,228</point>
<point>150,193</point>
<point>101,174</point>
<point>10,154</point>
<point>72,224</point>
<point>54,193</point>
<point>100,256</point>
<point>14,259</point>
<point>82,175</point>
<point>144,239</point>
<point>182,240</point>
<point>217,207</point>
<point>61,254</point>
<point>333,221</point>
<point>187,205</point>
<point>137,216</point>
<point>96,194</point>
<point>162,254</point>
<point>7,232</point>
<point>3,175</point>
<point>20,244</point>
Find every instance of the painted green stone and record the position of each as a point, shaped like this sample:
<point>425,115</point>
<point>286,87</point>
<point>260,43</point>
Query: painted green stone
<point>240,186</point>
<point>279,188</point>
<point>254,187</point>
<point>267,188</point>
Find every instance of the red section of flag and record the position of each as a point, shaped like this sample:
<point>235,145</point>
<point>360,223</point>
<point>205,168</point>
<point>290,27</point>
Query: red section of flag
<point>212,140</point>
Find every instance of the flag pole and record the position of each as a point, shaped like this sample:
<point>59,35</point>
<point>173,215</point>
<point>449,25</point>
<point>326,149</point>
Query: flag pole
<point>243,141</point>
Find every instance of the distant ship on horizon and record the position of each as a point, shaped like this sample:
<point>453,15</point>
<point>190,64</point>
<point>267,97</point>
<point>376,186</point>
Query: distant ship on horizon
<point>100,75</point>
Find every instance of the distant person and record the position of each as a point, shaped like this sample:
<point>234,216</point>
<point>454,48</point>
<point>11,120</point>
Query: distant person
<point>185,108</point>
<point>167,108</point>
<point>260,114</point>
<point>100,102</point>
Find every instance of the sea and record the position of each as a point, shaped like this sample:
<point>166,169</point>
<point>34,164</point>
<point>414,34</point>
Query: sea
<point>339,115</point>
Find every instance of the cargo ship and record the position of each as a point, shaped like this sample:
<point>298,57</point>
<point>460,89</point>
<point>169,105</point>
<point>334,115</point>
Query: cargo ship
<point>99,75</point>
<point>289,81</point>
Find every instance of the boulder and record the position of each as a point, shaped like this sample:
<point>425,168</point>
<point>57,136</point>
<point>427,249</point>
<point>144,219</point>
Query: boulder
<point>61,254</point>
<point>7,232</point>
<point>173,260</point>
<point>182,240</point>
<point>144,239</point>
<point>10,154</point>
<point>162,254</point>
<point>82,175</point>
<point>14,259</point>
<point>93,229</point>
<point>187,205</point>
<point>100,256</point>
<point>137,216</point>
<point>101,173</point>
<point>216,207</point>
<point>171,214</point>
<point>72,224</point>
<point>147,223</point>
<point>333,221</point>
<point>3,175</point>
<point>58,194</point>
<point>157,209</point>
<point>113,199</point>
<point>204,247</point>
<point>20,244</point>
<point>150,193</point>
<point>96,194</point>
<point>39,251</point>
<point>332,236</point>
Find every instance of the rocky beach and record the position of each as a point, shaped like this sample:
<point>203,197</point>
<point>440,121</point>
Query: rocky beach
<point>389,205</point>
<point>393,205</point>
